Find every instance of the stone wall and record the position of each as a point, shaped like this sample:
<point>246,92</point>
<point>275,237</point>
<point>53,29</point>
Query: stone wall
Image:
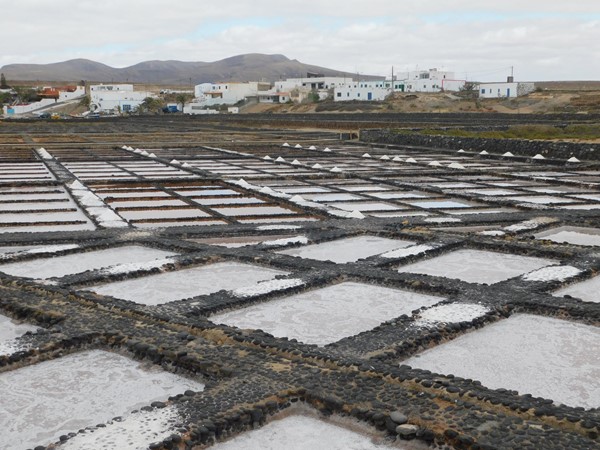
<point>519,147</point>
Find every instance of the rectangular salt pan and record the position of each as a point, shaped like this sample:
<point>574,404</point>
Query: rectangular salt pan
<point>80,262</point>
<point>323,316</point>
<point>66,394</point>
<point>542,356</point>
<point>586,290</point>
<point>572,235</point>
<point>476,266</point>
<point>305,433</point>
<point>186,283</point>
<point>347,250</point>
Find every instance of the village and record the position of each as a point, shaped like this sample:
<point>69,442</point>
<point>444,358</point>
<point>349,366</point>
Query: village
<point>228,97</point>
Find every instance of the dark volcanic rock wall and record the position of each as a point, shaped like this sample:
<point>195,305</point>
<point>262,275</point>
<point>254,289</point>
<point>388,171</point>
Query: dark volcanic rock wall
<point>520,147</point>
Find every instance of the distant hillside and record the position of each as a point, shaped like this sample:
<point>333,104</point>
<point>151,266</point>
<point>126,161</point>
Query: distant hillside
<point>249,67</point>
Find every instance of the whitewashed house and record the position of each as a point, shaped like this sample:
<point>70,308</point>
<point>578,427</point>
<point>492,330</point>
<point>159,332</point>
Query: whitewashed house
<point>314,83</point>
<point>509,89</point>
<point>432,80</point>
<point>362,90</point>
<point>209,94</point>
<point>273,96</point>
<point>116,98</point>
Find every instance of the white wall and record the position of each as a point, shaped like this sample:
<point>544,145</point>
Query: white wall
<point>361,90</point>
<point>211,94</point>
<point>103,99</point>
<point>311,83</point>
<point>198,108</point>
<point>111,87</point>
<point>504,90</point>
<point>24,109</point>
<point>497,90</point>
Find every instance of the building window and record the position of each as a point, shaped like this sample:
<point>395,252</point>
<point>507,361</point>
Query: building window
<point>483,91</point>
<point>339,94</point>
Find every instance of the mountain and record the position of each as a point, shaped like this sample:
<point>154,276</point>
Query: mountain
<point>249,67</point>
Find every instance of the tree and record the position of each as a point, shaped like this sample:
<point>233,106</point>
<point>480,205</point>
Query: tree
<point>3,84</point>
<point>469,90</point>
<point>183,99</point>
<point>26,95</point>
<point>150,104</point>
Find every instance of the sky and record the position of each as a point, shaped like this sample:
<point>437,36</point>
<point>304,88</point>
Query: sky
<point>479,40</point>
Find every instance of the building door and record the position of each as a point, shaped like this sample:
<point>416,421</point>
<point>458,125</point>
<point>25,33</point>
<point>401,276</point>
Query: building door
<point>369,96</point>
<point>508,92</point>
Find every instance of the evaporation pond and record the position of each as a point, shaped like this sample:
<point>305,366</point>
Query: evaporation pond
<point>586,290</point>
<point>536,355</point>
<point>9,331</point>
<point>51,398</point>
<point>60,266</point>
<point>477,266</point>
<point>347,250</point>
<point>326,315</point>
<point>298,432</point>
<point>572,235</point>
<point>186,283</point>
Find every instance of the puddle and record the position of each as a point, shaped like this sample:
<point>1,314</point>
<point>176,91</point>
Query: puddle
<point>586,290</point>
<point>186,283</point>
<point>299,432</point>
<point>477,266</point>
<point>75,391</point>
<point>323,316</point>
<point>572,235</point>
<point>561,360</point>
<point>347,250</point>
<point>60,266</point>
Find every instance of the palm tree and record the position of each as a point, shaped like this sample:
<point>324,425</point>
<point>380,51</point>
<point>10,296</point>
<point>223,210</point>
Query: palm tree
<point>183,99</point>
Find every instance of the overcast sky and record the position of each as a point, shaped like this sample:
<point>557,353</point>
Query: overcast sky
<point>477,39</point>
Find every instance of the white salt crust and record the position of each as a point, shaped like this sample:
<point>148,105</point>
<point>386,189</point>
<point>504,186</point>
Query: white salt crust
<point>135,432</point>
<point>552,273</point>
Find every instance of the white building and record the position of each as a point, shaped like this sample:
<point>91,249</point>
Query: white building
<point>272,96</point>
<point>362,90</point>
<point>504,89</point>
<point>63,96</point>
<point>116,97</point>
<point>209,94</point>
<point>432,80</point>
<point>311,83</point>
